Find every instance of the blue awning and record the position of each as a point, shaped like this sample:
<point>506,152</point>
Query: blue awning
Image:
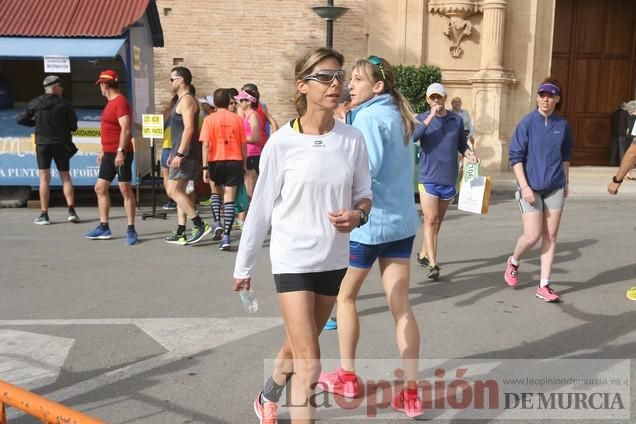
<point>80,48</point>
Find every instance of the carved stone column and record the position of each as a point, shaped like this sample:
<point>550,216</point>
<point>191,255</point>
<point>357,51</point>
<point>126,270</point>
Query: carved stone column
<point>491,90</point>
<point>493,26</point>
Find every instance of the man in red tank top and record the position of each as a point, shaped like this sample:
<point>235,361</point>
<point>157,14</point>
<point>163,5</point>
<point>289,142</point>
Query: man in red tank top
<point>115,158</point>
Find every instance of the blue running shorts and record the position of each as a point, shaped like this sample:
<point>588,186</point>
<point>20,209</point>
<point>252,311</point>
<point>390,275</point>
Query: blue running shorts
<point>444,192</point>
<point>364,255</point>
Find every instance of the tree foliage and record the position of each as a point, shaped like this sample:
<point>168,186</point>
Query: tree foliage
<point>413,81</point>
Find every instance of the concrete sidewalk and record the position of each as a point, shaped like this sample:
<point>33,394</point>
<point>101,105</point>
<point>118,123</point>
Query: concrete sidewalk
<point>584,181</point>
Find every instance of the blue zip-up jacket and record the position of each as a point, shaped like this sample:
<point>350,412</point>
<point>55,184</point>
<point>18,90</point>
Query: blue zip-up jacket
<point>542,145</point>
<point>439,142</point>
<point>391,161</point>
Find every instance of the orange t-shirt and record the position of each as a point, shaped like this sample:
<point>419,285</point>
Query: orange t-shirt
<point>223,131</point>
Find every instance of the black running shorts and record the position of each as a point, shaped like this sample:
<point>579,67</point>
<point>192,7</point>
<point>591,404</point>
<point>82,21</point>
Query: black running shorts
<point>326,283</point>
<point>108,171</point>
<point>226,172</point>
<point>47,152</point>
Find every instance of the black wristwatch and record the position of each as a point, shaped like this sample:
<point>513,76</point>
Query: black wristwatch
<point>616,180</point>
<point>179,155</point>
<point>364,217</point>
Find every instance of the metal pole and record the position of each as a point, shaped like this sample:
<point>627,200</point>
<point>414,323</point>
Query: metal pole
<point>330,28</point>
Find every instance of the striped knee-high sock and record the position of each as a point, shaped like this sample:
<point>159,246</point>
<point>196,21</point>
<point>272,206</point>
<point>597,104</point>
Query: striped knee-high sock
<point>215,204</point>
<point>228,217</point>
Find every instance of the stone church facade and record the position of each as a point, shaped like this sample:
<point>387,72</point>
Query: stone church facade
<point>493,54</point>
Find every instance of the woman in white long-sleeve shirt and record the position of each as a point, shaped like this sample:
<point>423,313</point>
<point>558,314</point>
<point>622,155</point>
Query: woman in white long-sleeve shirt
<point>314,188</point>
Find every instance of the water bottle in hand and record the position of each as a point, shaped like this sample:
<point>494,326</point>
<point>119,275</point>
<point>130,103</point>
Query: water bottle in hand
<point>248,298</point>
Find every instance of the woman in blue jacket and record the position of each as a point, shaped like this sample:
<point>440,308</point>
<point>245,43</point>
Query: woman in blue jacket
<point>540,154</point>
<point>385,118</point>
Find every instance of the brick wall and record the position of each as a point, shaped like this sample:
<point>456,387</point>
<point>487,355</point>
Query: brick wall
<point>227,43</point>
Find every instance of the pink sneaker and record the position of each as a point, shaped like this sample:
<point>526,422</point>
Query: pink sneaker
<point>265,412</point>
<point>512,274</point>
<point>546,293</point>
<point>331,382</point>
<point>412,407</point>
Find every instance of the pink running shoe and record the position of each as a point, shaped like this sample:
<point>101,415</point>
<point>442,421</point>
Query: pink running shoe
<point>411,407</point>
<point>546,293</point>
<point>512,274</point>
<point>331,382</point>
<point>265,412</point>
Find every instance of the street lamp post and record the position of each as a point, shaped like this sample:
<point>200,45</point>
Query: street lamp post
<point>330,13</point>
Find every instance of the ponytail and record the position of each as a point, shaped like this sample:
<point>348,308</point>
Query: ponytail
<point>406,112</point>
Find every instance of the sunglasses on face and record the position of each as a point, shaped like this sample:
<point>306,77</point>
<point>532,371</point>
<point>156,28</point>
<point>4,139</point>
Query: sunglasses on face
<point>326,76</point>
<point>376,61</point>
<point>172,79</point>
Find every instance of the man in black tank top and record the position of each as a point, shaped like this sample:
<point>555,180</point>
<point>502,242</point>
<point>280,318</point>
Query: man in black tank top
<point>185,157</point>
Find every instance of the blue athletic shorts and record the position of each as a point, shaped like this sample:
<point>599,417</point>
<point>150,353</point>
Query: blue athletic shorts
<point>444,192</point>
<point>165,154</point>
<point>364,255</point>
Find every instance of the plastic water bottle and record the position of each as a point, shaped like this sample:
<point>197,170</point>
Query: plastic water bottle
<point>248,298</point>
<point>190,187</point>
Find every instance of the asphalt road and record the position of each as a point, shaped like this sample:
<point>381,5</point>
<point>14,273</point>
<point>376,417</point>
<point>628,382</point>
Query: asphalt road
<point>152,333</point>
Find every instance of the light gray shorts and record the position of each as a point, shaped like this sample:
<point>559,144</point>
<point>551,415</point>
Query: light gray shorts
<point>544,200</point>
<point>189,170</point>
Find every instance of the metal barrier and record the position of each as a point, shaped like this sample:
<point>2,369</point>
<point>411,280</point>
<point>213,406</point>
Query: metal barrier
<point>46,410</point>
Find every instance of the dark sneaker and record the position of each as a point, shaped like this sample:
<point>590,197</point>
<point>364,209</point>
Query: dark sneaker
<point>170,206</point>
<point>99,233</point>
<point>433,272</point>
<point>43,219</point>
<point>176,238</point>
<point>218,231</point>
<point>131,237</point>
<point>225,243</point>
<point>423,261</point>
<point>72,217</point>
<point>198,233</point>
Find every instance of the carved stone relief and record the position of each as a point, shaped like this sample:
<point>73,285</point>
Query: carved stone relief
<point>457,26</point>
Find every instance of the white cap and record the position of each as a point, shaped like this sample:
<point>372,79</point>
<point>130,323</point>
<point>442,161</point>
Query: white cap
<point>208,100</point>
<point>50,80</point>
<point>435,88</point>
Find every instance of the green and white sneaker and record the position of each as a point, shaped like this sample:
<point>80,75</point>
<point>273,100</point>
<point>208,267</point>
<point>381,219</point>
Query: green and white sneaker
<point>199,232</point>
<point>176,238</point>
